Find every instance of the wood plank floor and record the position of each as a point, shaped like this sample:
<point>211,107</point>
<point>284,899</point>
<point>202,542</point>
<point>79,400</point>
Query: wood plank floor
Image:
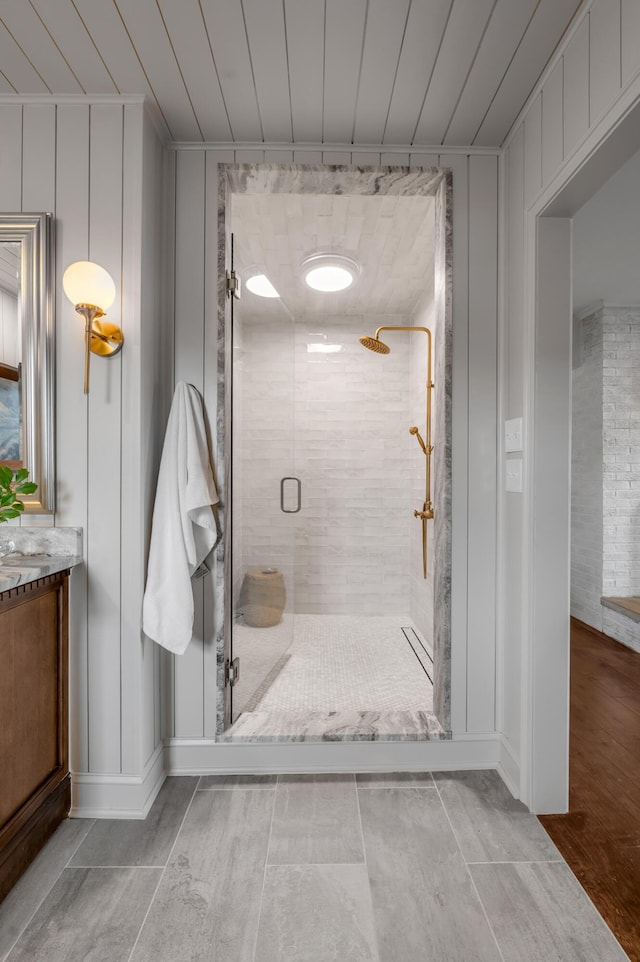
<point>600,837</point>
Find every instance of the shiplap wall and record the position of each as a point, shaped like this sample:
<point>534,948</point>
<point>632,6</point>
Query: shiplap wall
<point>588,87</point>
<point>97,168</point>
<point>192,184</point>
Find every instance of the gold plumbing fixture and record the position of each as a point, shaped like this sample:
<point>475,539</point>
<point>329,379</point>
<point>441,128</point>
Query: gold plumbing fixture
<point>379,347</point>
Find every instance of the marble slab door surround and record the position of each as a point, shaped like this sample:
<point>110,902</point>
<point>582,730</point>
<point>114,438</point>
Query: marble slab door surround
<point>338,179</point>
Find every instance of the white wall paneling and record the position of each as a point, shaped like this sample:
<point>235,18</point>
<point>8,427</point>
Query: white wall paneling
<point>38,147</point>
<point>360,158</point>
<point>104,549</point>
<point>576,88</point>
<point>72,244</point>
<point>194,691</point>
<point>630,33</point>
<point>11,157</point>
<point>533,151</point>
<point>85,163</point>
<point>604,55</point>
<point>600,133</point>
<point>482,428</point>
<point>552,123</point>
<point>512,378</point>
<point>189,367</point>
<point>549,667</point>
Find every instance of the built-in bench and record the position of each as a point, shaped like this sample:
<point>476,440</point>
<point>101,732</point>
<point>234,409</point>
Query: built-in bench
<point>625,606</point>
<point>621,620</point>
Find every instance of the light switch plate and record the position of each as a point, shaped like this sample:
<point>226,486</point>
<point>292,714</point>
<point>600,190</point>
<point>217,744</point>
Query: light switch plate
<point>514,475</point>
<point>513,435</point>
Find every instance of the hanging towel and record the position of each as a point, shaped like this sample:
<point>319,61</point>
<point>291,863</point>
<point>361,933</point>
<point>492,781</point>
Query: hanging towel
<point>184,526</point>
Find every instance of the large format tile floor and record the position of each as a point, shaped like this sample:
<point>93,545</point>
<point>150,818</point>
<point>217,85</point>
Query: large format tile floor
<point>391,868</point>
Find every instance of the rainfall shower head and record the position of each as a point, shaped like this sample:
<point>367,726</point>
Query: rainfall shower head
<point>375,344</point>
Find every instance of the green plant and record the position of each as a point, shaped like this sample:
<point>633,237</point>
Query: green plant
<point>13,484</point>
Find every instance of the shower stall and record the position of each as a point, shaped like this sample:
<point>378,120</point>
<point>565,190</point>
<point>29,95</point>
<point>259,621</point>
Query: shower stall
<point>336,453</point>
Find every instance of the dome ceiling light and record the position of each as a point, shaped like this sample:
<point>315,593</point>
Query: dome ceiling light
<point>329,272</point>
<point>261,285</point>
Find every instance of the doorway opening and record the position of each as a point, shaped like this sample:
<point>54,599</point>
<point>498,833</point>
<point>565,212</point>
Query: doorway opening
<point>337,585</point>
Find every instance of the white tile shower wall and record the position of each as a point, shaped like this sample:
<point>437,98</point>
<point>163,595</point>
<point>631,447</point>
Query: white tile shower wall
<point>621,450</point>
<point>586,475</point>
<point>353,456</point>
<point>265,446</point>
<point>347,551</point>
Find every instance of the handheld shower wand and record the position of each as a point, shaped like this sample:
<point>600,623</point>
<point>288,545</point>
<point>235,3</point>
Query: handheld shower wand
<point>415,431</point>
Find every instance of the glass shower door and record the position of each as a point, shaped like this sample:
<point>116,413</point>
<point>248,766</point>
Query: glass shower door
<point>265,494</point>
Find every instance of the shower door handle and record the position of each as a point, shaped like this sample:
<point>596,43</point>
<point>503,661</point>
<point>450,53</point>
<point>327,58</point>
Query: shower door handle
<point>299,505</point>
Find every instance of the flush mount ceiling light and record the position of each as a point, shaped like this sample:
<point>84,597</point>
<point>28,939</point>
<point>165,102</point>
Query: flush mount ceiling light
<point>330,272</point>
<point>261,285</point>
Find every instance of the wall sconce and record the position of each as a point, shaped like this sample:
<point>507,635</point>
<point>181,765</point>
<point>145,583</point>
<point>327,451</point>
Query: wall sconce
<point>91,290</point>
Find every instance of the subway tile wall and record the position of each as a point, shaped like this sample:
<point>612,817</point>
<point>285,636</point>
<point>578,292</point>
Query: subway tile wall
<point>318,406</point>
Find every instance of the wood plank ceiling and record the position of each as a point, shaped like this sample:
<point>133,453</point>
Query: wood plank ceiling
<point>367,72</point>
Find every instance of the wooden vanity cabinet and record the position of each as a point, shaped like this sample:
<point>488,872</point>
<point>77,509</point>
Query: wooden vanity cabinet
<point>35,791</point>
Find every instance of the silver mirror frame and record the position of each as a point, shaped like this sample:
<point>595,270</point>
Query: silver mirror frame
<point>34,233</point>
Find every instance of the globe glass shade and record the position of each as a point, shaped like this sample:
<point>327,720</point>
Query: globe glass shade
<point>87,283</point>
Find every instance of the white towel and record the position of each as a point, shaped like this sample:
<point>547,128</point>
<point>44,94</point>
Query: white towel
<point>184,526</point>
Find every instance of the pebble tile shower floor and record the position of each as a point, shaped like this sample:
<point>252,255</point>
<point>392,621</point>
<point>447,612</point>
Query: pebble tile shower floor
<point>315,868</point>
<point>339,663</point>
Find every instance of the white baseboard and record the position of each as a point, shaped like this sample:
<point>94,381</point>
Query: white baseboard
<point>509,767</point>
<point>131,796</point>
<point>117,796</point>
<point>203,756</point>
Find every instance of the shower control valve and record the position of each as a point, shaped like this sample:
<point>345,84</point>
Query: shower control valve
<point>425,515</point>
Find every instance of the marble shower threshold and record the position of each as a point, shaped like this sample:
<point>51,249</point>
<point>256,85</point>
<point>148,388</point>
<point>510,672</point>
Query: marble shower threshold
<point>336,726</point>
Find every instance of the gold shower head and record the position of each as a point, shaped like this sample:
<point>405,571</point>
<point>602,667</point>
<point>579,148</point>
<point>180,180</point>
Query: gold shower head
<point>375,344</point>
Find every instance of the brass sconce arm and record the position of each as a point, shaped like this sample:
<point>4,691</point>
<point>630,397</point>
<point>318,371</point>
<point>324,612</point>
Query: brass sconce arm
<point>85,282</point>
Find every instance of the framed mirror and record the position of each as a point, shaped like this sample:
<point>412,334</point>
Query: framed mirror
<point>27,353</point>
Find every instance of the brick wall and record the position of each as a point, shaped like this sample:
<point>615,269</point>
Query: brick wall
<point>586,474</point>
<point>605,516</point>
<point>621,451</point>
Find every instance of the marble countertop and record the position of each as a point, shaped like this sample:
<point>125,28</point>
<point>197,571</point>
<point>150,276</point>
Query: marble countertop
<point>38,552</point>
<point>19,569</point>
